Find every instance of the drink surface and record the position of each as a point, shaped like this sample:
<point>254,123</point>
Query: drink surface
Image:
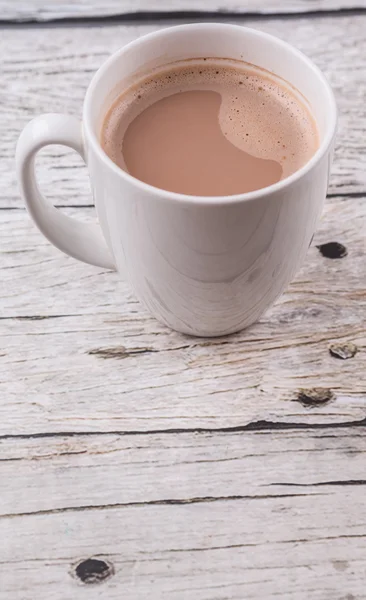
<point>210,127</point>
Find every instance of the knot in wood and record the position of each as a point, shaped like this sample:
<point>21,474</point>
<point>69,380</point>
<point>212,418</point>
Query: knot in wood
<point>93,570</point>
<point>119,352</point>
<point>332,250</point>
<point>343,351</point>
<point>314,397</point>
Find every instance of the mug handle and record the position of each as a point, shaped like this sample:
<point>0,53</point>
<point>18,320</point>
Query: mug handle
<point>83,241</point>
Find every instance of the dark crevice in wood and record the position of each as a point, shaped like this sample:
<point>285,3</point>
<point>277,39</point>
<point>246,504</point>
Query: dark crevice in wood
<point>345,482</point>
<point>250,545</point>
<point>144,17</point>
<point>168,502</point>
<point>210,548</point>
<point>36,317</point>
<point>347,195</point>
<point>82,205</point>
<point>23,209</point>
<point>256,426</point>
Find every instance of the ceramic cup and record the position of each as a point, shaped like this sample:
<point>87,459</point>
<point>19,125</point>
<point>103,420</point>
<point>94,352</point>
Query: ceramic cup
<point>204,266</point>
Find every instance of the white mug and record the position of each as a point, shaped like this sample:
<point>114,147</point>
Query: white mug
<point>204,266</point>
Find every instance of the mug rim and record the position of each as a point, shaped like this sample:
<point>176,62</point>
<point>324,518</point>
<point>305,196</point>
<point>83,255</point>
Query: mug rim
<point>210,200</point>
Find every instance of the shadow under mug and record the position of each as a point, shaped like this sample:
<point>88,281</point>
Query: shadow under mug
<point>204,266</point>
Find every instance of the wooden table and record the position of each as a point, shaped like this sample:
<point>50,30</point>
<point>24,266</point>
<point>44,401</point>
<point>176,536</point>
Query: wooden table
<point>137,463</point>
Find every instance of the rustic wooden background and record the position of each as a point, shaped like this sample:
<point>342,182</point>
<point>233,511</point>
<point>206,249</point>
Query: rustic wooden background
<point>139,463</point>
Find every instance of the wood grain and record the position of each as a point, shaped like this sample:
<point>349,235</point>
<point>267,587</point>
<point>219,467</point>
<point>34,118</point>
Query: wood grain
<point>80,354</point>
<point>142,468</point>
<point>48,70</point>
<point>230,516</point>
<point>294,547</point>
<point>220,517</point>
<point>42,10</point>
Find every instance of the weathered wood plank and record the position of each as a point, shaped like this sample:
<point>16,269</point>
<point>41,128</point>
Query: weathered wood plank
<point>221,515</point>
<point>42,10</point>
<point>49,69</point>
<point>253,548</point>
<point>99,363</point>
<point>148,468</point>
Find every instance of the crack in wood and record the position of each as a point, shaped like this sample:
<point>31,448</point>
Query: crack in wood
<point>166,502</point>
<point>144,16</point>
<point>346,195</point>
<point>324,483</point>
<point>36,317</point>
<point>255,426</point>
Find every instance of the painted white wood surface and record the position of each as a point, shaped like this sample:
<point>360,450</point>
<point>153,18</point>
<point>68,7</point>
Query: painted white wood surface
<point>151,468</point>
<point>41,66</point>
<point>229,516</point>
<point>192,467</point>
<point>48,10</point>
<point>280,547</point>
